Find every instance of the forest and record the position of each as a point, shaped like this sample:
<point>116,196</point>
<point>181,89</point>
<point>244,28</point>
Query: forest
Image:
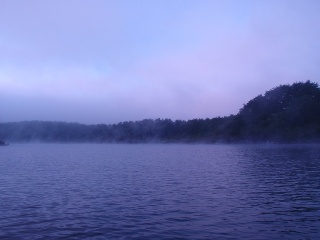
<point>284,114</point>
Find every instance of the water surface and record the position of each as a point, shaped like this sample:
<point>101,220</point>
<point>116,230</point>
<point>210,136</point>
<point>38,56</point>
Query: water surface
<point>155,191</point>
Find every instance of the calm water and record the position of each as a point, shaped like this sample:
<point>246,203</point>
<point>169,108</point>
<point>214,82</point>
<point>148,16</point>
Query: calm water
<point>71,191</point>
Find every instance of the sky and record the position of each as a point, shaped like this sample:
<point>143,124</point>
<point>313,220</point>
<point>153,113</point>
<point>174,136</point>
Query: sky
<point>106,61</point>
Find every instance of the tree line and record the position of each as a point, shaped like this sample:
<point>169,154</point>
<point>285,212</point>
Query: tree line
<point>287,113</point>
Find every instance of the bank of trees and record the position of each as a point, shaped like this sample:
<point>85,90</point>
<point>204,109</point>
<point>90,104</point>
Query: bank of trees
<point>287,113</point>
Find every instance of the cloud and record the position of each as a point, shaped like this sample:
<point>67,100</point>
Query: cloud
<point>112,61</point>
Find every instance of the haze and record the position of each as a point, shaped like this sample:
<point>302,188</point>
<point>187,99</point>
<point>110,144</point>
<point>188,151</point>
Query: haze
<point>109,61</point>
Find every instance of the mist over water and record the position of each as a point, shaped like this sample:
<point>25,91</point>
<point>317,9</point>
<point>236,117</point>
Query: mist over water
<point>158,191</point>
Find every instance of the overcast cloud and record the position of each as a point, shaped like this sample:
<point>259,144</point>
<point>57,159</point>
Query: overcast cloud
<point>97,61</point>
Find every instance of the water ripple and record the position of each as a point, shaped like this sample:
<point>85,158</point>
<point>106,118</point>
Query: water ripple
<point>159,191</point>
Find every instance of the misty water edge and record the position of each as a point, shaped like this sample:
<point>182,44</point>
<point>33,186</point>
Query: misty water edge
<point>159,191</point>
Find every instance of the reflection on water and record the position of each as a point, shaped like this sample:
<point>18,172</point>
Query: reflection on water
<point>159,191</point>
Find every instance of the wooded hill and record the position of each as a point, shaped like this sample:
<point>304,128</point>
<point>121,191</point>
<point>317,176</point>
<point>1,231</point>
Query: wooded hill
<point>286,114</point>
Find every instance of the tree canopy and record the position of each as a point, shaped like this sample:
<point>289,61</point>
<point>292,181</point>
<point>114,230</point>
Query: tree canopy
<point>287,113</point>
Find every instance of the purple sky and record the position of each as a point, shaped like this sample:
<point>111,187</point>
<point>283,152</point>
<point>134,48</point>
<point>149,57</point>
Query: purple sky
<point>100,61</point>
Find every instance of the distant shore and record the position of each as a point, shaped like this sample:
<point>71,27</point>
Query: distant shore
<point>285,114</point>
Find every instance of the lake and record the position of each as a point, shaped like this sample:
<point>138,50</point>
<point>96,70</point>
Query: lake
<point>159,191</point>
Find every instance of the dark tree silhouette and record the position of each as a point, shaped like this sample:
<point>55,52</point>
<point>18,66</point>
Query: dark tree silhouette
<point>287,113</point>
